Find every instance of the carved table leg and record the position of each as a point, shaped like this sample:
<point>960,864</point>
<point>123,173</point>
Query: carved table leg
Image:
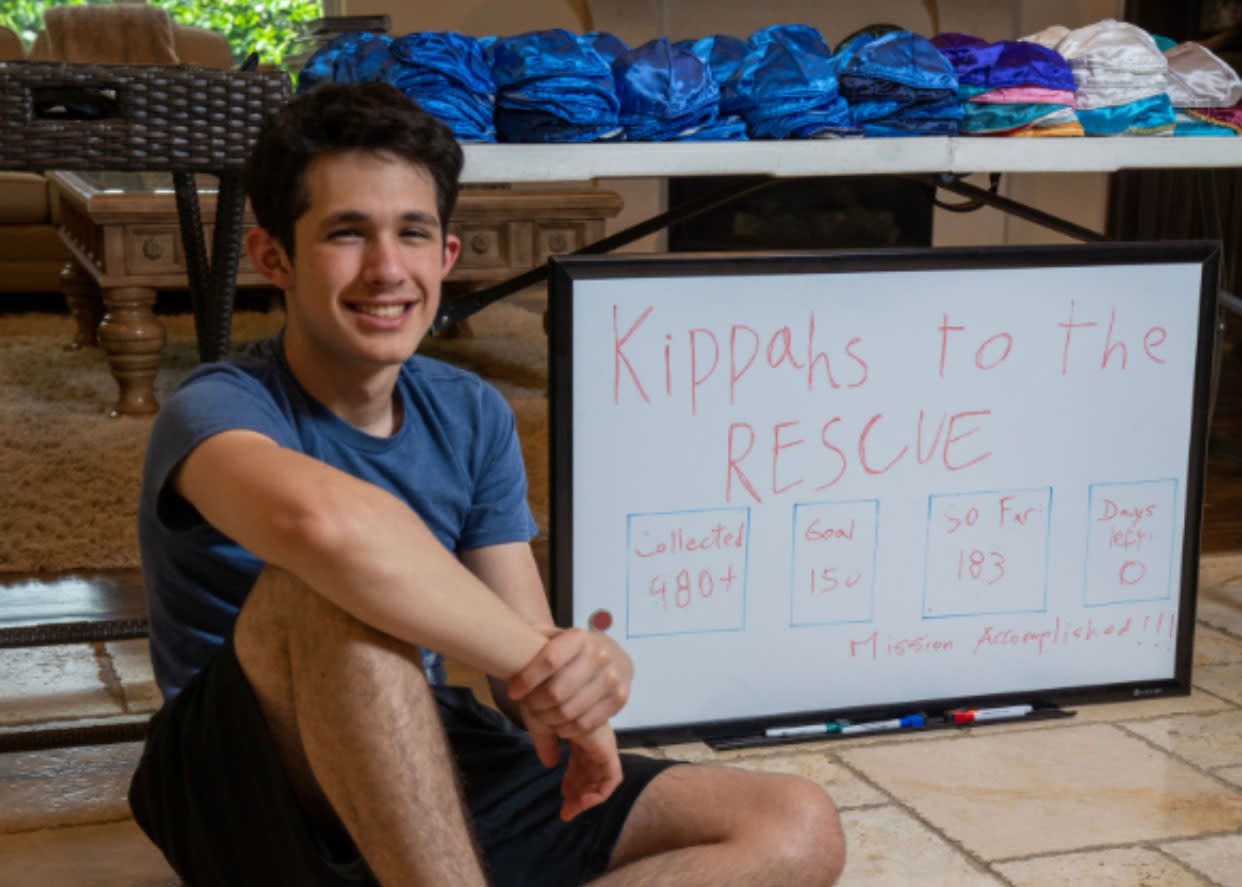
<point>82,296</point>
<point>134,339</point>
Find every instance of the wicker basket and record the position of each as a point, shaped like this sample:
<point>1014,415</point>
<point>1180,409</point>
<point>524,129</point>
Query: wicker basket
<point>56,115</point>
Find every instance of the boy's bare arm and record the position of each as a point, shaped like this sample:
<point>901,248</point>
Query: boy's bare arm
<point>579,680</point>
<point>357,545</point>
<point>570,689</point>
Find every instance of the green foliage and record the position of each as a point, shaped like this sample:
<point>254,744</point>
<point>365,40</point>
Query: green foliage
<point>273,28</point>
<point>26,16</point>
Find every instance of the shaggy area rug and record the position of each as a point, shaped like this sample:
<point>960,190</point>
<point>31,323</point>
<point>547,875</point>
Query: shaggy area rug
<point>71,474</point>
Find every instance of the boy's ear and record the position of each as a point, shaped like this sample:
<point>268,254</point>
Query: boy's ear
<point>269,258</point>
<point>452,250</point>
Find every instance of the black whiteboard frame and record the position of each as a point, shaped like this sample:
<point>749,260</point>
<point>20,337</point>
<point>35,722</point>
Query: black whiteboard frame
<point>564,272</point>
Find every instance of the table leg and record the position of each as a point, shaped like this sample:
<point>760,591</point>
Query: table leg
<point>133,338</point>
<point>226,244</point>
<point>82,296</point>
<point>451,290</point>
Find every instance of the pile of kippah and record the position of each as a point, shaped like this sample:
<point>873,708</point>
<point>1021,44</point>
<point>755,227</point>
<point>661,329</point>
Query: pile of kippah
<point>1011,87</point>
<point>723,55</point>
<point>1204,91</point>
<point>785,86</point>
<point>1120,77</point>
<point>784,82</point>
<point>552,86</point>
<point>898,84</point>
<point>668,93</point>
<point>450,76</point>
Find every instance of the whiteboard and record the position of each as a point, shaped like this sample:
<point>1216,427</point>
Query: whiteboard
<point>833,484</point>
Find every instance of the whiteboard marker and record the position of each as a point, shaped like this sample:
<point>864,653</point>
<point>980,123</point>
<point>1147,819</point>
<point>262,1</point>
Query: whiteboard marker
<point>992,714</point>
<point>873,726</point>
<point>803,730</point>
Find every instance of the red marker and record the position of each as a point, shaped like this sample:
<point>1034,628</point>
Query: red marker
<point>601,620</point>
<point>991,714</point>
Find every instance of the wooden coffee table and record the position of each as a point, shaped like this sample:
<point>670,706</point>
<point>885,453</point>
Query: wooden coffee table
<point>122,230</point>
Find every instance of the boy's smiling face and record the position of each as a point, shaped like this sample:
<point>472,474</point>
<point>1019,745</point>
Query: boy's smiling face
<point>369,256</point>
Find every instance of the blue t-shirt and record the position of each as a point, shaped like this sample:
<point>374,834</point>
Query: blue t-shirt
<point>455,461</point>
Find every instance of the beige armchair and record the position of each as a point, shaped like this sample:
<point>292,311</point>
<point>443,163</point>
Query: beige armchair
<point>31,254</point>
<point>187,45</point>
<point>11,48</point>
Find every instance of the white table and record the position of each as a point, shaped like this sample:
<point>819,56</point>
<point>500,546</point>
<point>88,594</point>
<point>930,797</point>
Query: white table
<point>486,163</point>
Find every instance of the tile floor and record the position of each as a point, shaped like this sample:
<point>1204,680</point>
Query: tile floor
<point>1123,794</point>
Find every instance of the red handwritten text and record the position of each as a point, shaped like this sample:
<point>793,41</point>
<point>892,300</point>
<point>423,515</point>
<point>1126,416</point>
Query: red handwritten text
<point>870,646</point>
<point>679,540</point>
<point>793,462</point>
<point>1110,347</point>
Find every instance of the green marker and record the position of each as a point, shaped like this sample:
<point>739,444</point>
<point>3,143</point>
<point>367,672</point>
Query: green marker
<point>804,730</point>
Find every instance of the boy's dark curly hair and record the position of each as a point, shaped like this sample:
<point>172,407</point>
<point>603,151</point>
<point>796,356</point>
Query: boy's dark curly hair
<point>344,117</point>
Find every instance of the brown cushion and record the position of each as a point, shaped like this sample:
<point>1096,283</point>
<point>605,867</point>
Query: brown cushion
<point>11,48</point>
<point>23,198</point>
<point>194,46</point>
<point>199,46</point>
<point>124,33</point>
<point>31,243</point>
<point>40,51</point>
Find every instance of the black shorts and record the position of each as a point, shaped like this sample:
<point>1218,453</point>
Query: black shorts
<point>211,793</point>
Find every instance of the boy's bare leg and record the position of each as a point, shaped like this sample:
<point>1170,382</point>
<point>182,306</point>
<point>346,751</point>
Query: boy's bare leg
<point>725,827</point>
<point>356,725</point>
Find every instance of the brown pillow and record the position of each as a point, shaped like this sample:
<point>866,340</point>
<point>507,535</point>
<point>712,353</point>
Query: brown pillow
<point>128,33</point>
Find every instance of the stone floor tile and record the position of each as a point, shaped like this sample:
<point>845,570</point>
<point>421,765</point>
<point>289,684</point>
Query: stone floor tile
<point>696,753</point>
<point>1209,741</point>
<point>1220,570</point>
<point>647,751</point>
<point>46,683</point>
<point>1221,608</point>
<point>1020,794</point>
<point>1213,647</point>
<point>84,856</point>
<point>846,789</point>
<point>1217,858</point>
<point>1119,867</point>
<point>132,663</point>
<point>66,786</point>
<point>1223,680</point>
<point>886,847</point>
<point>1230,774</point>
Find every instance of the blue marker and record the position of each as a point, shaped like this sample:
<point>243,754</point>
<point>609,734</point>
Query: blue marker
<point>875,726</point>
<point>804,730</point>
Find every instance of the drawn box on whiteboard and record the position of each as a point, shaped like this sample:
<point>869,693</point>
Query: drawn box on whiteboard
<point>686,571</point>
<point>834,554</point>
<point>987,553</point>
<point>1130,536</point>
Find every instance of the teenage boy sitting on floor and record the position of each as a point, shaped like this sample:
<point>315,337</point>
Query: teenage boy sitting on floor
<point>320,514</point>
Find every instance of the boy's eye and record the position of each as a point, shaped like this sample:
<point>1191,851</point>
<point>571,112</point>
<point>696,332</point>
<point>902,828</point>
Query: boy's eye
<point>340,233</point>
